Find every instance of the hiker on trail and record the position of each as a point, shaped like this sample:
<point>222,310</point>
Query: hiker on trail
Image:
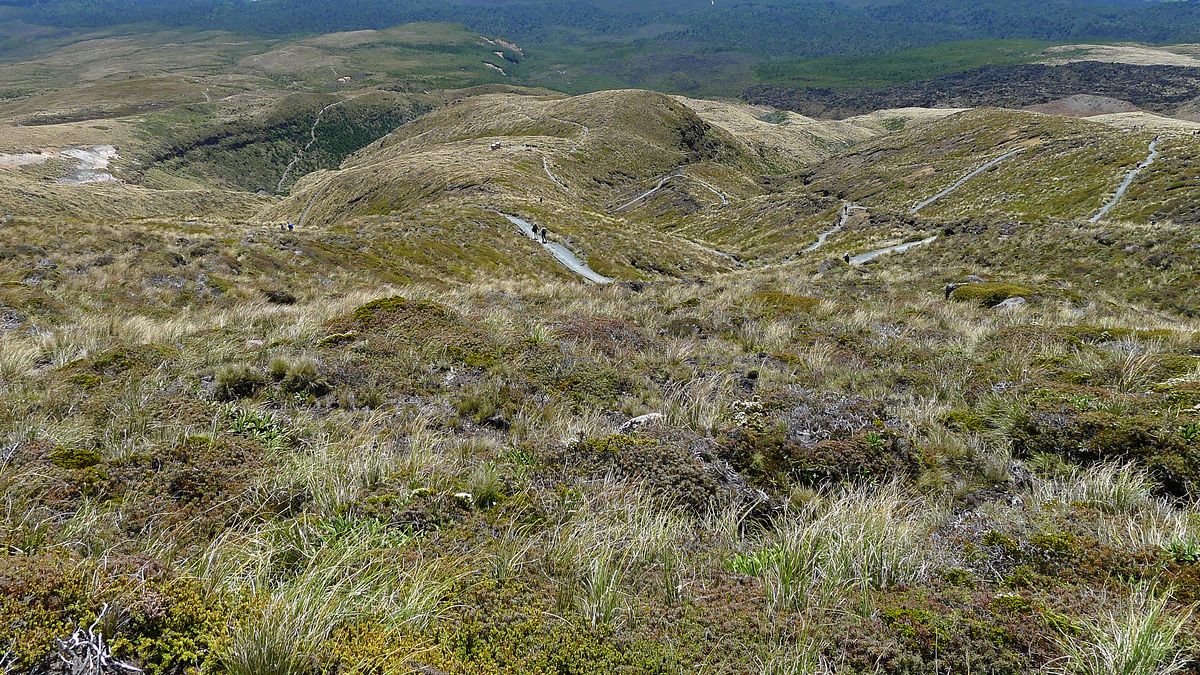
<point>281,226</point>
<point>846,258</point>
<point>543,234</point>
<point>291,227</point>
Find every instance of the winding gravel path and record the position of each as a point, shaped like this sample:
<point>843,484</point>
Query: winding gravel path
<point>724,199</point>
<point>964,179</point>
<point>546,166</point>
<point>663,181</point>
<point>561,253</point>
<point>656,188</point>
<point>898,248</point>
<point>847,207</point>
<point>1128,181</point>
<point>313,139</point>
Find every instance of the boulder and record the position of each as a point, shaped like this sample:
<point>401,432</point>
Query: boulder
<point>830,264</point>
<point>640,422</point>
<point>1010,304</point>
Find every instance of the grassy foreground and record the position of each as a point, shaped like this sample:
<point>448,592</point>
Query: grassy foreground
<point>222,452</point>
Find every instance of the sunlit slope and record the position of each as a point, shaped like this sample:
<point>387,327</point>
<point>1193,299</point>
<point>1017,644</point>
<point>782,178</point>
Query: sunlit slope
<point>1058,168</point>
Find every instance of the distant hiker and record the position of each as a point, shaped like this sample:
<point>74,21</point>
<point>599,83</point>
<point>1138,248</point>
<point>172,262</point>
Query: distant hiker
<point>281,226</point>
<point>846,258</point>
<point>291,227</point>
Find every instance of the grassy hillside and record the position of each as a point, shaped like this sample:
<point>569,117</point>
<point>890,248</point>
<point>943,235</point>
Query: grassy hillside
<point>225,438</point>
<point>402,439</point>
<point>1068,168</point>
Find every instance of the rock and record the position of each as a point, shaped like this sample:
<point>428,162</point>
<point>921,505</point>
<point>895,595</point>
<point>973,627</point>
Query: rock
<point>830,264</point>
<point>279,297</point>
<point>1010,303</point>
<point>1163,261</point>
<point>972,279</point>
<point>254,344</point>
<point>637,423</point>
<point>497,421</point>
<point>11,320</point>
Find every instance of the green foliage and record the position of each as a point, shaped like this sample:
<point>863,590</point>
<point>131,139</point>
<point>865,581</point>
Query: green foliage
<point>1014,604</point>
<point>1185,550</point>
<point>303,376</point>
<point>778,304</point>
<point>259,426</point>
<point>958,577</point>
<point>174,629</point>
<point>904,66</point>
<point>660,460</point>
<point>963,420</point>
<point>1103,436</point>
<point>1141,639</point>
<point>990,294</point>
<point>771,459</point>
<point>41,597</point>
<point>486,485</point>
<point>74,458</point>
<point>237,381</point>
<point>1001,541</point>
<point>754,563</point>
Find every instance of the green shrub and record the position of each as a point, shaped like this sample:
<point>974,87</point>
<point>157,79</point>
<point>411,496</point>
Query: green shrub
<point>173,629</point>
<point>74,458</point>
<point>962,420</point>
<point>777,304</point>
<point>303,376</point>
<point>660,458</point>
<point>236,381</point>
<point>278,368</point>
<point>990,294</point>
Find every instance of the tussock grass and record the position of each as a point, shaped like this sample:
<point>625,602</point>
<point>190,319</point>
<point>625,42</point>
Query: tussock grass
<point>308,579</point>
<point>866,538</point>
<point>1144,638</point>
<point>1111,487</point>
<point>316,515</point>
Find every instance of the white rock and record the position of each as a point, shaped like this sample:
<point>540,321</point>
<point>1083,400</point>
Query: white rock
<point>1010,304</point>
<point>639,422</point>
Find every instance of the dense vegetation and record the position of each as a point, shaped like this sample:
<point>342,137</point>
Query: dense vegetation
<point>674,47</point>
<point>1160,89</point>
<point>799,28</point>
<point>401,439</point>
<point>272,151</point>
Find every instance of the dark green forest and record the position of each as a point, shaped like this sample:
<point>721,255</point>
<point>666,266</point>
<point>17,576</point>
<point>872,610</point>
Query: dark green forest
<point>770,28</point>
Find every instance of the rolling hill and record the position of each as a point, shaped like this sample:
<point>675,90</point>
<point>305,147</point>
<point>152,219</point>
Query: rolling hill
<point>288,384</point>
